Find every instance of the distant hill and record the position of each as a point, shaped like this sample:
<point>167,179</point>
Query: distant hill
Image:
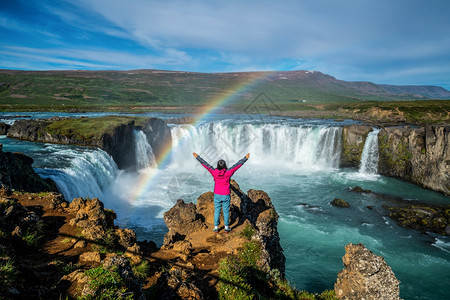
<point>171,88</point>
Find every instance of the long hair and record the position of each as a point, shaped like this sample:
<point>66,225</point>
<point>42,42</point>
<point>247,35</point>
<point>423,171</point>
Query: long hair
<point>221,164</point>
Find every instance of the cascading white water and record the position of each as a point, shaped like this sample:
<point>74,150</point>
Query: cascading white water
<point>89,173</point>
<point>144,153</point>
<point>310,147</point>
<point>369,156</point>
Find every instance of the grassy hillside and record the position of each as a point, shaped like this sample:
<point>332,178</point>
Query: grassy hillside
<point>157,89</point>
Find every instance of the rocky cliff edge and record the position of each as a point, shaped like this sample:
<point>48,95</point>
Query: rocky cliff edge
<point>114,134</point>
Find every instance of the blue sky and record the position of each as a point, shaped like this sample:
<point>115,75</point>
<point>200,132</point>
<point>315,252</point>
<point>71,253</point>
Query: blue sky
<point>383,41</point>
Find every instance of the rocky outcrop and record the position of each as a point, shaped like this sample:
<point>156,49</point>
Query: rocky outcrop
<point>121,146</point>
<point>423,217</point>
<point>16,172</point>
<point>255,209</point>
<point>4,128</point>
<point>365,276</point>
<point>118,271</point>
<point>91,217</point>
<point>340,203</point>
<point>353,140</point>
<point>418,155</point>
<point>117,139</point>
<point>174,286</point>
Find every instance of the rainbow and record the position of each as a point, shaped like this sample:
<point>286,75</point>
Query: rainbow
<point>145,179</point>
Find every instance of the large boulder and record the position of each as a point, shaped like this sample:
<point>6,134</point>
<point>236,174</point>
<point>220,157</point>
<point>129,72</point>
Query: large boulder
<point>365,276</point>
<point>183,218</point>
<point>91,216</point>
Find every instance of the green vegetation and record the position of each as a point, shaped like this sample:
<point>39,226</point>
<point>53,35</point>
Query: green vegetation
<point>247,232</point>
<point>241,278</point>
<point>309,95</point>
<point>141,270</point>
<point>90,129</point>
<point>107,284</point>
<point>31,238</point>
<point>108,243</point>
<point>397,159</point>
<point>148,90</point>
<point>69,268</point>
<point>8,274</point>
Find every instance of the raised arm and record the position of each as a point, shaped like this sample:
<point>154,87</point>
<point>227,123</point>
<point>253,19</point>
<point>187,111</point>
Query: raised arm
<point>203,162</point>
<point>239,164</point>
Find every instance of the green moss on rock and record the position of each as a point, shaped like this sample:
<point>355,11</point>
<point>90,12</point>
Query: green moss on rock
<point>422,217</point>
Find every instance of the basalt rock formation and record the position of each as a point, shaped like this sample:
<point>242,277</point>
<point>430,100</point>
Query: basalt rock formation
<point>418,155</point>
<point>117,139</point>
<point>353,140</point>
<point>255,209</point>
<point>16,172</point>
<point>423,217</point>
<point>4,128</point>
<point>365,276</point>
<point>340,203</point>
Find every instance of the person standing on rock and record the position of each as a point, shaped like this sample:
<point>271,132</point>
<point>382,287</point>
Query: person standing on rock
<point>222,197</point>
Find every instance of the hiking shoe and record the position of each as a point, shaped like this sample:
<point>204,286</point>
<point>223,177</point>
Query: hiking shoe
<point>216,230</point>
<point>227,230</point>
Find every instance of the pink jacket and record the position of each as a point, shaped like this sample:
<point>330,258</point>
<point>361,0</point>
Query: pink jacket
<point>222,177</point>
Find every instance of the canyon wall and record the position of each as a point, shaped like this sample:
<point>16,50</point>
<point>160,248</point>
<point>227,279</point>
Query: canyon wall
<point>418,155</point>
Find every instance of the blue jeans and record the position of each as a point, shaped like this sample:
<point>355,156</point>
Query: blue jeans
<point>219,201</point>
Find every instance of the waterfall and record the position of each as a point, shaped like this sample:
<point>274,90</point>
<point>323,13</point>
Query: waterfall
<point>309,147</point>
<point>88,173</point>
<point>144,153</point>
<point>369,156</point>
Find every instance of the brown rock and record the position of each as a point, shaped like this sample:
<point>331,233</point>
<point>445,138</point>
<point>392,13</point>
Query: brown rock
<point>75,282</point>
<point>134,252</point>
<point>90,215</point>
<point>127,237</point>
<point>17,231</point>
<point>90,256</point>
<point>94,233</point>
<point>184,247</point>
<point>80,244</point>
<point>205,207</point>
<point>172,287</point>
<point>183,218</point>
<point>365,276</point>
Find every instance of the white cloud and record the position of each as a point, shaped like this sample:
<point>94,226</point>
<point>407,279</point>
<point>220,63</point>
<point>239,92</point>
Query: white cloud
<point>95,59</point>
<point>348,38</point>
